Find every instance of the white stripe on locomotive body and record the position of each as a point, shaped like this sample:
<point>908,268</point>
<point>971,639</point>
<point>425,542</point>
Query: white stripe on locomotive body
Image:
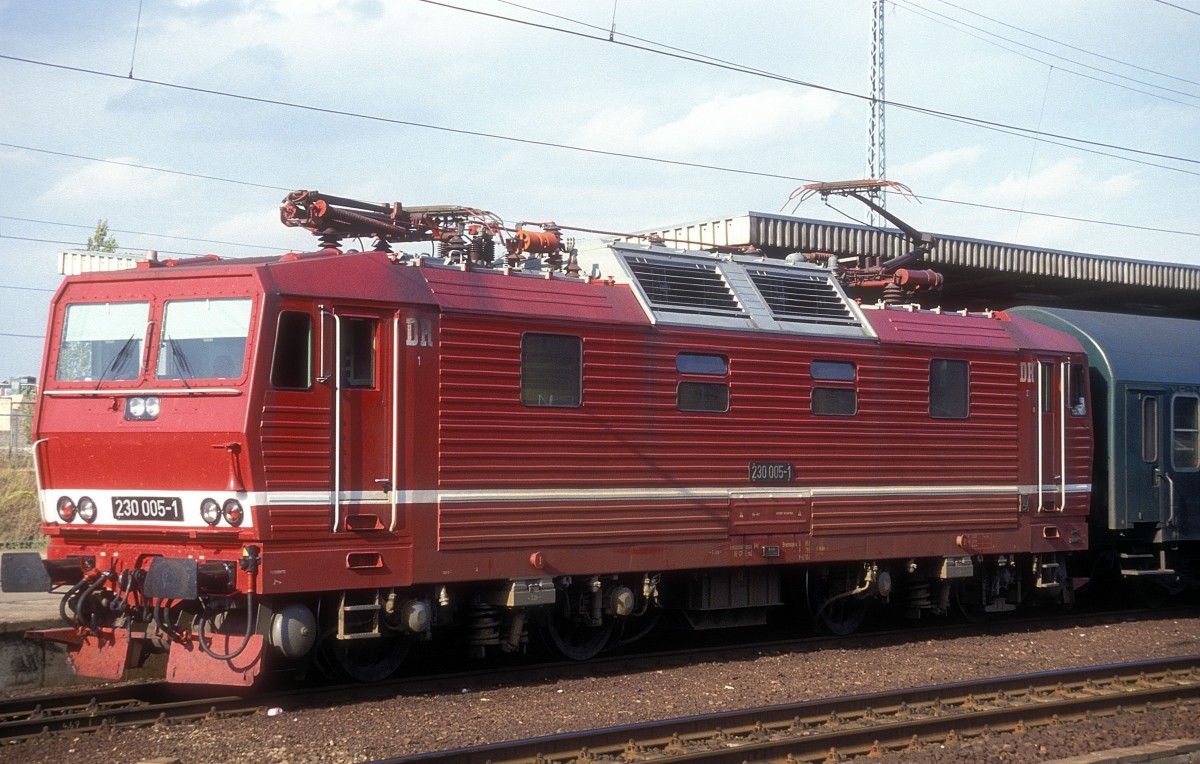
<point>191,499</point>
<point>579,496</point>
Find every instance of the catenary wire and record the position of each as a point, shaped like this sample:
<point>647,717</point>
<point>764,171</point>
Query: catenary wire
<point>1022,133</point>
<point>25,288</point>
<point>983,123</point>
<point>975,121</point>
<point>143,233</point>
<point>976,205</point>
<point>1178,7</point>
<point>1063,44</point>
<point>402,122</point>
<point>75,243</point>
<point>144,166</point>
<point>950,22</point>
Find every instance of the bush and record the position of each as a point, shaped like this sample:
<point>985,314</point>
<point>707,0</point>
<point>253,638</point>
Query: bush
<point>20,521</point>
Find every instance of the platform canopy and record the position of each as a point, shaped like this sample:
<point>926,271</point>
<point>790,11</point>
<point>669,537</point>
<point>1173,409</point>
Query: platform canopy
<point>979,274</point>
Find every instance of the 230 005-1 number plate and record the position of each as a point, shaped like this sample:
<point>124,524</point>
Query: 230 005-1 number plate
<point>771,472</point>
<point>147,508</point>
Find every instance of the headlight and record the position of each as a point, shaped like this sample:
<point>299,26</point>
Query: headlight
<point>210,511</point>
<point>87,509</point>
<point>138,408</point>
<point>66,509</point>
<point>233,512</point>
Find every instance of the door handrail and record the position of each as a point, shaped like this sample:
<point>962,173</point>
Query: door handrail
<point>1171,521</point>
<point>337,414</point>
<point>395,434</point>
<point>1041,447</point>
<point>1062,435</point>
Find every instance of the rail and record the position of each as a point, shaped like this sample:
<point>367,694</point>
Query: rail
<point>860,725</point>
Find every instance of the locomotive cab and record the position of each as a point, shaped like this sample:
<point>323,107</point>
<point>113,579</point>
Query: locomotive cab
<point>140,456</point>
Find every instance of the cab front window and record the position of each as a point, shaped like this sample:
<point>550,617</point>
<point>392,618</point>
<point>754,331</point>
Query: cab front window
<point>102,341</point>
<point>203,339</point>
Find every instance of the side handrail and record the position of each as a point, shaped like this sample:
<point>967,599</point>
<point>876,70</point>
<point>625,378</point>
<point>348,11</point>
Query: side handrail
<point>394,485</point>
<point>37,467</point>
<point>336,494</point>
<point>1064,411</point>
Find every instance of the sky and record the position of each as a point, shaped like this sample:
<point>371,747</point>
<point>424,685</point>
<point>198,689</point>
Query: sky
<point>1062,124</point>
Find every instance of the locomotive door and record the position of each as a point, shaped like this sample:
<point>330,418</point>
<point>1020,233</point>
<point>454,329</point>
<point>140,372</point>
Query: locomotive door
<point>364,439</point>
<point>1051,436</point>
<point>1147,482</point>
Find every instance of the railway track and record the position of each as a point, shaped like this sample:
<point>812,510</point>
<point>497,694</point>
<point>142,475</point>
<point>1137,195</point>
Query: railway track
<point>120,706</point>
<point>865,725</point>
<point>128,705</point>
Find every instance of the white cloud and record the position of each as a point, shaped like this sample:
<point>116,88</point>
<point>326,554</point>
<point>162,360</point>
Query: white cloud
<point>938,163</point>
<point>1067,188</point>
<point>260,227</point>
<point>722,123</point>
<point>112,184</point>
<point>1066,180</point>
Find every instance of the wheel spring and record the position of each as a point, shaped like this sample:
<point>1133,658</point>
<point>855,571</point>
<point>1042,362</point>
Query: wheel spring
<point>483,625</point>
<point>918,597</point>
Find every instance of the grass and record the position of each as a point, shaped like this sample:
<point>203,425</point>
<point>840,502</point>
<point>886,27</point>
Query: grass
<point>19,517</point>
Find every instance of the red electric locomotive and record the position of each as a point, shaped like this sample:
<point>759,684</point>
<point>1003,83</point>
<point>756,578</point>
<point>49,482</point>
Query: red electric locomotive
<point>331,455</point>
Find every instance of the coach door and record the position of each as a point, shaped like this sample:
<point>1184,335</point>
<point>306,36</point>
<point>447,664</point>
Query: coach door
<point>1051,435</point>
<point>1148,480</point>
<point>363,371</point>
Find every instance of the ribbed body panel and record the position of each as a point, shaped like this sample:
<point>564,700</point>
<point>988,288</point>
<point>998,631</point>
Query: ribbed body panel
<point>589,523</point>
<point>296,447</point>
<point>629,434</point>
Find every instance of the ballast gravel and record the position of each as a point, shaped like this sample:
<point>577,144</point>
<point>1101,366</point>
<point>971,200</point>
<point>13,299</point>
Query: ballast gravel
<point>535,706</point>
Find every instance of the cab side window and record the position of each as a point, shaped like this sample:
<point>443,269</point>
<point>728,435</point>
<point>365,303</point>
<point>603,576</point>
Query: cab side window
<point>949,389</point>
<point>551,370</point>
<point>358,352</point>
<point>291,363</point>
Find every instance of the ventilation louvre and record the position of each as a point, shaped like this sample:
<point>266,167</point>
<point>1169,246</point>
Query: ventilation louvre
<point>802,297</point>
<point>689,287</point>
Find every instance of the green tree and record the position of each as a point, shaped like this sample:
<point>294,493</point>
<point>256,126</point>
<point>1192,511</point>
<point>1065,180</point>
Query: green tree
<point>100,240</point>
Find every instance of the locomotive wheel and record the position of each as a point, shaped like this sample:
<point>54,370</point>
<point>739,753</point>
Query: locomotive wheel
<point>363,660</point>
<point>572,638</point>
<point>832,610</point>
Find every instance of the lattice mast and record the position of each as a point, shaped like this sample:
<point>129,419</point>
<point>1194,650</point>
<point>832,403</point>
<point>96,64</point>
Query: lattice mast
<point>876,158</point>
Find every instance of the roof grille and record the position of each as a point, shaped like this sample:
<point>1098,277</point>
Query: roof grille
<point>690,287</point>
<point>802,297</point>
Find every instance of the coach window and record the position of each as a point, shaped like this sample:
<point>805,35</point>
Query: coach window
<point>949,389</point>
<point>358,352</point>
<point>1150,429</point>
<point>1185,432</point>
<point>291,365</point>
<point>834,401</point>
<point>551,370</point>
